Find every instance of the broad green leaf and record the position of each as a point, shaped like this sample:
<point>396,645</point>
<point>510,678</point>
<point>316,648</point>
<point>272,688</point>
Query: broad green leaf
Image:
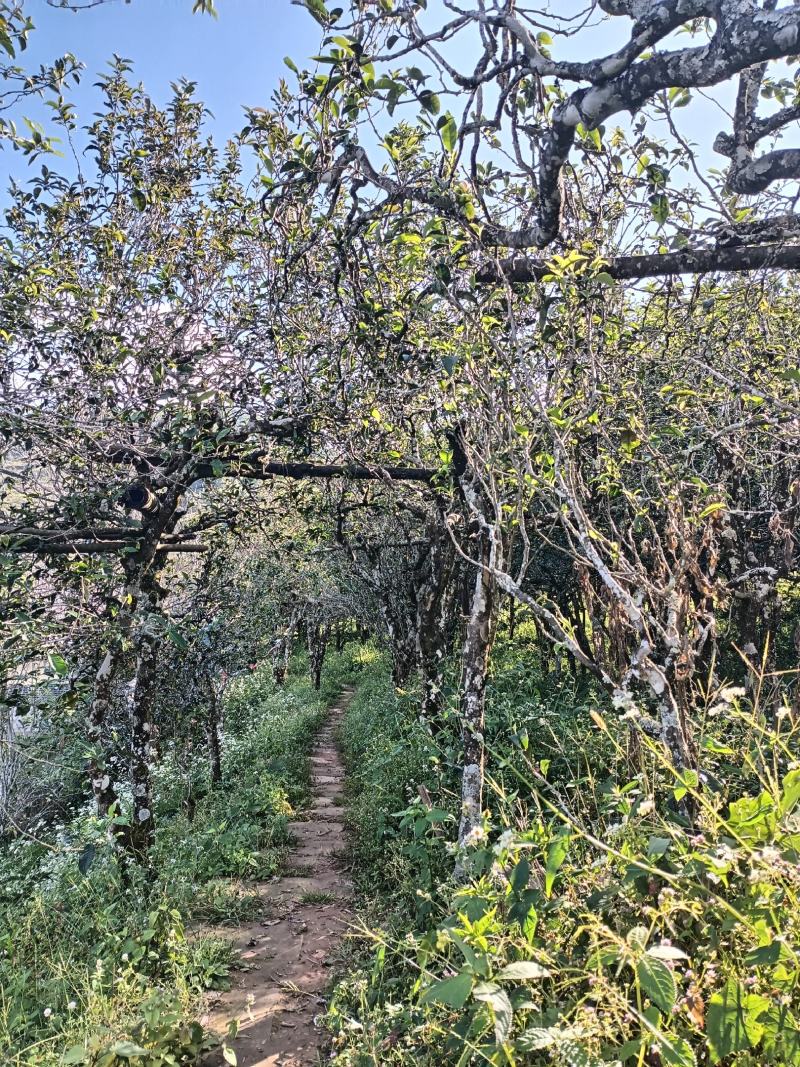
<point>658,846</point>
<point>657,982</point>
<point>76,1054</point>
<point>732,1020</point>
<point>520,875</point>
<point>790,792</point>
<point>666,952</point>
<point>676,1051</point>
<point>503,1013</point>
<point>177,638</point>
<point>58,663</point>
<point>781,1035</point>
<point>659,208</point>
<point>556,855</point>
<point>450,991</point>
<point>536,1038</point>
<point>86,858</point>
<point>127,1049</point>
<point>448,132</point>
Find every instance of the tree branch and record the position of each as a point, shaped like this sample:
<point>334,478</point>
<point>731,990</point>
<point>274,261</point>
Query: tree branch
<point>738,258</point>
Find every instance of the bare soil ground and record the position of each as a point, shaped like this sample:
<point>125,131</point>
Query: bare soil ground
<point>286,954</point>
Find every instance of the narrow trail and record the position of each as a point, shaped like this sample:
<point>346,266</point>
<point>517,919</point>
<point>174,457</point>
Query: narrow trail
<point>286,952</point>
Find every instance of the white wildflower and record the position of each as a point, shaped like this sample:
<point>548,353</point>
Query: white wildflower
<point>504,842</point>
<point>475,836</point>
<point>769,855</point>
<point>731,693</point>
<point>47,1012</point>
<point>725,854</point>
<point>647,806</point>
<point>72,1005</point>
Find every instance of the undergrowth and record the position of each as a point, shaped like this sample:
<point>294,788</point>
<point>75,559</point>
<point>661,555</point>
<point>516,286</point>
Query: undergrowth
<point>96,966</point>
<point>597,925</point>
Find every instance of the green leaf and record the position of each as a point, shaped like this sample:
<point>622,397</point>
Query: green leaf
<point>76,1054</point>
<point>520,875</point>
<point>448,131</point>
<point>139,199</point>
<point>430,101</point>
<point>58,663</point>
<point>657,982</point>
<point>86,858</point>
<point>659,208</point>
<point>753,818</point>
<point>453,992</point>
<point>781,1035</point>
<point>229,1055</point>
<point>712,509</point>
<point>790,792</point>
<point>666,952</point>
<point>126,1049</point>
<point>556,855</point>
<point>658,846</point>
<point>522,971</point>
<point>732,1020</point>
<point>676,1051</point>
<point>177,638</point>
<point>318,10</point>
<point>503,1013</point>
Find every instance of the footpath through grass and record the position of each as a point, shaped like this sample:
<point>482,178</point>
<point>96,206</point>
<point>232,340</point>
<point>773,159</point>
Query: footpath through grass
<point>96,968</point>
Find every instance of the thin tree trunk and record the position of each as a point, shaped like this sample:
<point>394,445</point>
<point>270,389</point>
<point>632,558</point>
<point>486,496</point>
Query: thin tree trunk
<point>282,650</point>
<point>140,836</point>
<point>435,599</point>
<point>98,770</point>
<point>317,636</point>
<point>475,663</point>
<point>212,737</point>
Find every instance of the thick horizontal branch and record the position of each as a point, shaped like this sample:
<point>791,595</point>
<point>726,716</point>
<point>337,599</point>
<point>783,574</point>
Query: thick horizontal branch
<point>253,467</point>
<point>89,533</point>
<point>739,258</point>
<point>95,548</point>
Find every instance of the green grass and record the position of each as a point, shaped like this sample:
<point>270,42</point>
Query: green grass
<point>89,960</point>
<point>317,897</point>
<point>594,926</point>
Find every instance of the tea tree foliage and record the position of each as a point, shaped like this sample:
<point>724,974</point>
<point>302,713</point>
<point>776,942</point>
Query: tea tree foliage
<point>293,410</point>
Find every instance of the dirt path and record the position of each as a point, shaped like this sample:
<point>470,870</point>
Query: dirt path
<point>285,953</point>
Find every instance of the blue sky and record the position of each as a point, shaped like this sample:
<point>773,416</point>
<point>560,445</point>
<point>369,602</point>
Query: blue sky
<point>236,59</point>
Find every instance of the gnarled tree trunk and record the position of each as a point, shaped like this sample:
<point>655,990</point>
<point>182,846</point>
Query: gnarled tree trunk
<point>317,637</point>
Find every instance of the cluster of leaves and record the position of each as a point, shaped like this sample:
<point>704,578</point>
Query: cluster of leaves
<point>594,927</point>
